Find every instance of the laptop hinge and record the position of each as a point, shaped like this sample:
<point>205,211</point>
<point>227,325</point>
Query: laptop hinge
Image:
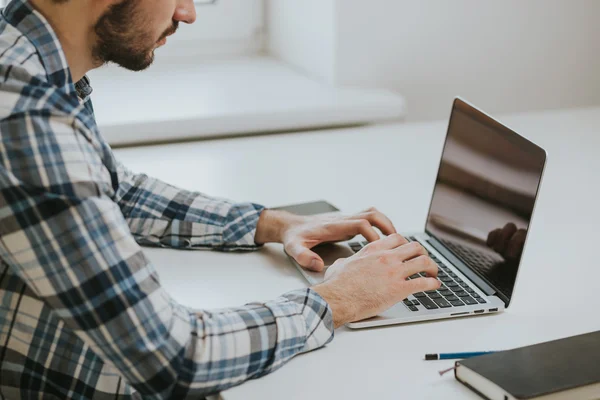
<point>464,268</point>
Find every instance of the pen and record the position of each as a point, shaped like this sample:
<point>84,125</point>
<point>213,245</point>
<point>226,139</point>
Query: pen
<point>453,356</point>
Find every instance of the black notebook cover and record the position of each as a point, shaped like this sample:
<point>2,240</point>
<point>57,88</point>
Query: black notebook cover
<point>544,368</point>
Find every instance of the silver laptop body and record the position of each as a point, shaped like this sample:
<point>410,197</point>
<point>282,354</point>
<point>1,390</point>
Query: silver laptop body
<point>489,176</point>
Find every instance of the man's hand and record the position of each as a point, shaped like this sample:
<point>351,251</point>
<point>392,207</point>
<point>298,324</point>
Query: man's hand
<point>374,279</point>
<point>299,234</point>
<point>508,241</point>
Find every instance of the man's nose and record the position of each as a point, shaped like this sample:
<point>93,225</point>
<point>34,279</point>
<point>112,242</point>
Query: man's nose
<point>185,12</point>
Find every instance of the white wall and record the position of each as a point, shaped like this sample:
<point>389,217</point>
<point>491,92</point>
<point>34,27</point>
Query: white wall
<point>224,29</point>
<point>504,56</point>
<point>302,33</point>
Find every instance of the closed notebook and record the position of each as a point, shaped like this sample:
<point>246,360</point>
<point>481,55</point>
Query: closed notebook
<point>562,369</point>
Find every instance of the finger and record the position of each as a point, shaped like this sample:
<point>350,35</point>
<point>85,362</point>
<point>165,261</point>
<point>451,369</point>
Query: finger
<point>419,264</point>
<point>492,237</point>
<point>363,227</point>
<point>400,254</point>
<point>307,258</point>
<point>515,246</point>
<point>379,220</point>
<point>387,243</point>
<point>505,234</point>
<point>346,229</point>
<point>422,285</point>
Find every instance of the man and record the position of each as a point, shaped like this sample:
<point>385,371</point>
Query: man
<point>82,311</point>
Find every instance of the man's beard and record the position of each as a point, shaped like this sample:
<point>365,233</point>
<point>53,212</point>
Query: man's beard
<point>121,38</point>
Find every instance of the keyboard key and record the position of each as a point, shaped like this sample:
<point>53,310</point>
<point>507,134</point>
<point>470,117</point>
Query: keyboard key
<point>413,308</point>
<point>462,294</point>
<point>364,243</point>
<point>445,292</point>
<point>456,289</point>
<point>474,295</point>
<point>452,274</point>
<point>445,279</point>
<point>464,284</point>
<point>452,298</point>
<point>355,246</point>
<point>457,303</point>
<point>428,303</point>
<point>435,295</point>
<point>482,301</point>
<point>431,291</point>
<point>407,302</point>
<point>442,303</point>
<point>419,294</point>
<point>452,284</point>
<point>470,290</point>
<point>469,300</point>
<point>415,303</point>
<point>415,276</point>
<point>458,280</point>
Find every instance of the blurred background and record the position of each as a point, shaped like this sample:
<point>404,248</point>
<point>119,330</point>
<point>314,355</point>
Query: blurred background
<point>258,66</point>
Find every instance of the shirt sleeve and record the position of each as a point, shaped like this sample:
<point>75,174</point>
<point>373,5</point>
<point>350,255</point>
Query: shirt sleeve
<point>65,236</point>
<point>159,214</point>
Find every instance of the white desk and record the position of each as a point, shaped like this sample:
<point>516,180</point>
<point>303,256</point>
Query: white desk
<point>392,167</point>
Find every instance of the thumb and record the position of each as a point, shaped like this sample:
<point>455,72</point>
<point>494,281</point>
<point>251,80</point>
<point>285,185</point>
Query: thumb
<point>305,257</point>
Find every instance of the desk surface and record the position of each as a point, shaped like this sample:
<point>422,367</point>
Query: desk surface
<point>392,167</point>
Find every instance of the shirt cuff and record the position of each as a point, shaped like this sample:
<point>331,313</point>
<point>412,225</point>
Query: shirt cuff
<point>317,315</point>
<point>303,321</point>
<point>238,230</point>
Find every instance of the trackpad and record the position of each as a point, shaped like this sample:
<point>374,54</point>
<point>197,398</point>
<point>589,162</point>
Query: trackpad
<point>330,252</point>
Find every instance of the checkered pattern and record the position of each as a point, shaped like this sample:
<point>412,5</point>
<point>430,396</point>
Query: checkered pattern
<point>82,311</point>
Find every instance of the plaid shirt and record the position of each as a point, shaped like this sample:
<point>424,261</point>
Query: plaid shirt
<point>82,310</point>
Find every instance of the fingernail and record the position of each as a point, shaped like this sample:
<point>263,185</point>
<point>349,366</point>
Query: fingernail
<point>314,263</point>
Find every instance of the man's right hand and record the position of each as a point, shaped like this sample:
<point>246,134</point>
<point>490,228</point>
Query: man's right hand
<point>374,279</point>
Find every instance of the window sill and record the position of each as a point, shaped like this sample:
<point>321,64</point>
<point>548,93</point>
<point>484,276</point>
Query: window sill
<point>171,102</point>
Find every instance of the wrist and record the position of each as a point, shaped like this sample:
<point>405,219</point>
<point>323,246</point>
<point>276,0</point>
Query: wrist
<point>338,304</point>
<point>273,224</point>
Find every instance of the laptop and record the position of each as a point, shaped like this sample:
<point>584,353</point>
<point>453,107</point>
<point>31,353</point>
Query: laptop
<point>478,222</point>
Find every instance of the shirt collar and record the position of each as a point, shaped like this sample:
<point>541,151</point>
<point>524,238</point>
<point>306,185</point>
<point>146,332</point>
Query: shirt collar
<point>34,26</point>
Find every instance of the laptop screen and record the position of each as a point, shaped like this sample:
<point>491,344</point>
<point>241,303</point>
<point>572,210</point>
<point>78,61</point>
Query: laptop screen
<point>484,195</point>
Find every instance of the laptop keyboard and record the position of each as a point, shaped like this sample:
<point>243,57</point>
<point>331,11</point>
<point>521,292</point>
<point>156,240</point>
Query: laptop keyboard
<point>454,292</point>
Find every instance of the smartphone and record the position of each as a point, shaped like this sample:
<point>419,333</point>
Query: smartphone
<point>311,208</point>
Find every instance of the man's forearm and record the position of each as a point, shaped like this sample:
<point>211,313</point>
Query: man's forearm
<point>160,214</point>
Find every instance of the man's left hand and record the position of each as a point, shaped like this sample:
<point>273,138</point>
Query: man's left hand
<point>299,234</point>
